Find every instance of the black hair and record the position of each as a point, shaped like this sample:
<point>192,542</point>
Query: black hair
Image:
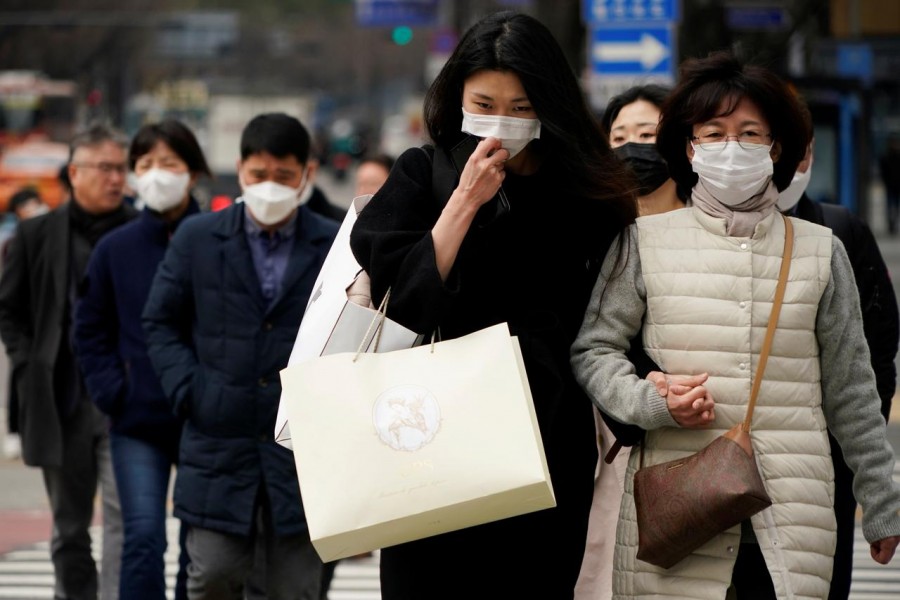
<point>23,196</point>
<point>572,145</point>
<point>382,159</point>
<point>177,137</point>
<point>714,86</point>
<point>653,93</point>
<point>278,134</point>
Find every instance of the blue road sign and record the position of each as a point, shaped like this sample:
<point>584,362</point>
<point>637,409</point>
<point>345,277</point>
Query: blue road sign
<point>633,51</point>
<point>628,11</point>
<point>388,13</point>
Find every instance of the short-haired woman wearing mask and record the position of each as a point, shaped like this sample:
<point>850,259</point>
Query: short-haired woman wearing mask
<point>701,282</point>
<point>166,161</point>
<point>508,83</point>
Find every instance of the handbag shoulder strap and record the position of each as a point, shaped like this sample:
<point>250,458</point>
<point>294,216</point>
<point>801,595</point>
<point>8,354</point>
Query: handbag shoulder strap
<point>773,320</point>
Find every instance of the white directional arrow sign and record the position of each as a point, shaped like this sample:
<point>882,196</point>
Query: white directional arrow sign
<point>648,51</point>
<point>645,49</point>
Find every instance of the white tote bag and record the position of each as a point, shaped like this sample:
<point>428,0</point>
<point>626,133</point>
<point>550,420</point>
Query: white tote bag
<point>397,446</point>
<point>334,321</point>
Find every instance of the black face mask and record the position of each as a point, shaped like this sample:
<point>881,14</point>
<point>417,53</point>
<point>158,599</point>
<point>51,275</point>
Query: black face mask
<point>646,163</point>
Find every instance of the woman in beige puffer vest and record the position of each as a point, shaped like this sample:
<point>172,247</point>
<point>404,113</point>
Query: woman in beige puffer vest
<point>701,281</point>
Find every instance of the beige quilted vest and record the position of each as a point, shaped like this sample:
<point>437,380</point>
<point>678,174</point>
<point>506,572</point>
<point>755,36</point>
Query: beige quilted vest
<point>708,304</point>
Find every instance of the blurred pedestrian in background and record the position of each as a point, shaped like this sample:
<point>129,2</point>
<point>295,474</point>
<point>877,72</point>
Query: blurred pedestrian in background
<point>221,320</point>
<point>508,84</point>
<point>630,122</point>
<point>880,325</point>
<point>111,349</point>
<point>27,203</point>
<point>889,164</point>
<point>372,172</point>
<point>24,204</point>
<point>700,281</point>
<point>62,431</point>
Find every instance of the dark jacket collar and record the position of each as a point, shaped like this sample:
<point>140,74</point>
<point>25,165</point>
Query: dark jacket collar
<point>310,226</point>
<point>154,223</point>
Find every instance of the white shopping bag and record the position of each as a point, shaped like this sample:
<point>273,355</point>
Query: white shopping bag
<point>332,322</point>
<point>397,446</point>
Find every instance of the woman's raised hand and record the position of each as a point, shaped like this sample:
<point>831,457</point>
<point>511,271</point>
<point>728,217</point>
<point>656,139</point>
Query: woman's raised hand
<point>484,172</point>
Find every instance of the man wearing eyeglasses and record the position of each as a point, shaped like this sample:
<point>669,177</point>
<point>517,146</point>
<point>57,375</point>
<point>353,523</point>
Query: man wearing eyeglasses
<point>61,430</point>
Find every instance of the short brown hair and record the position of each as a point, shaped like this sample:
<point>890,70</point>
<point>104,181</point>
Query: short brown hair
<point>721,80</point>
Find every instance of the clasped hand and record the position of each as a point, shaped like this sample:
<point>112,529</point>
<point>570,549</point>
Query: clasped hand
<point>689,402</point>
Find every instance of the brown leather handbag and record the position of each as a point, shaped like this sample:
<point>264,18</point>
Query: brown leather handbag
<point>682,504</point>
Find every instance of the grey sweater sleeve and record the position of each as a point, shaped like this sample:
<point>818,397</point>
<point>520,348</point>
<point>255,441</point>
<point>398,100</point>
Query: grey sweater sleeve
<point>851,402</point>
<point>612,319</point>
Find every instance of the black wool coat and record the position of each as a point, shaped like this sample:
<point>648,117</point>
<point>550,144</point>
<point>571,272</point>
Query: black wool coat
<point>34,300</point>
<point>533,268</point>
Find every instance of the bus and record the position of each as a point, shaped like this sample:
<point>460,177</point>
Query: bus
<point>37,118</point>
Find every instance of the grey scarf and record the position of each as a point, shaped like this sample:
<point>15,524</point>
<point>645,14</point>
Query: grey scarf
<point>740,220</point>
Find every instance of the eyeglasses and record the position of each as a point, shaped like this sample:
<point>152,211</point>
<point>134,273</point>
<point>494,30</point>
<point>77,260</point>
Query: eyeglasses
<point>105,168</point>
<point>713,141</point>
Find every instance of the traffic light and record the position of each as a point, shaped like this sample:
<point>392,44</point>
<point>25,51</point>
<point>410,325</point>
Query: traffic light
<point>402,35</point>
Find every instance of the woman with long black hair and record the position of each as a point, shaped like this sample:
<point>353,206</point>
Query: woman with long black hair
<point>458,257</point>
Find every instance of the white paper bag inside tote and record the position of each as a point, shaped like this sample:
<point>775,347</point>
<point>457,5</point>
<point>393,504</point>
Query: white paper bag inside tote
<point>334,320</point>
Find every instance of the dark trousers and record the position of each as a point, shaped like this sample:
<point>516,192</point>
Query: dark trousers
<point>71,489</point>
<point>845,513</point>
<point>143,471</point>
<point>262,565</point>
<point>750,578</point>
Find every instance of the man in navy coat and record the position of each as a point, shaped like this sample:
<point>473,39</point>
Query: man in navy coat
<point>221,320</point>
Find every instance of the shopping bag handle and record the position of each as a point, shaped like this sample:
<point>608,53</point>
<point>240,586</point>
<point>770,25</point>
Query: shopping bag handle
<point>378,322</point>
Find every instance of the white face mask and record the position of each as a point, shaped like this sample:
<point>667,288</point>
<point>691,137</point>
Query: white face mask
<point>731,173</point>
<point>514,133</point>
<point>162,190</point>
<point>271,202</point>
<point>306,194</point>
<point>790,196</point>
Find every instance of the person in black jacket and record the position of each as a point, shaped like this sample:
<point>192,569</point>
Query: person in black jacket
<point>61,430</point>
<point>220,323</point>
<point>458,259</point>
<point>880,324</point>
<point>109,343</point>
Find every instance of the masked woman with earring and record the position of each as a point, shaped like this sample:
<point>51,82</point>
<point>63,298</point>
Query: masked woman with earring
<point>457,259</point>
<point>166,161</point>
<point>701,281</point>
